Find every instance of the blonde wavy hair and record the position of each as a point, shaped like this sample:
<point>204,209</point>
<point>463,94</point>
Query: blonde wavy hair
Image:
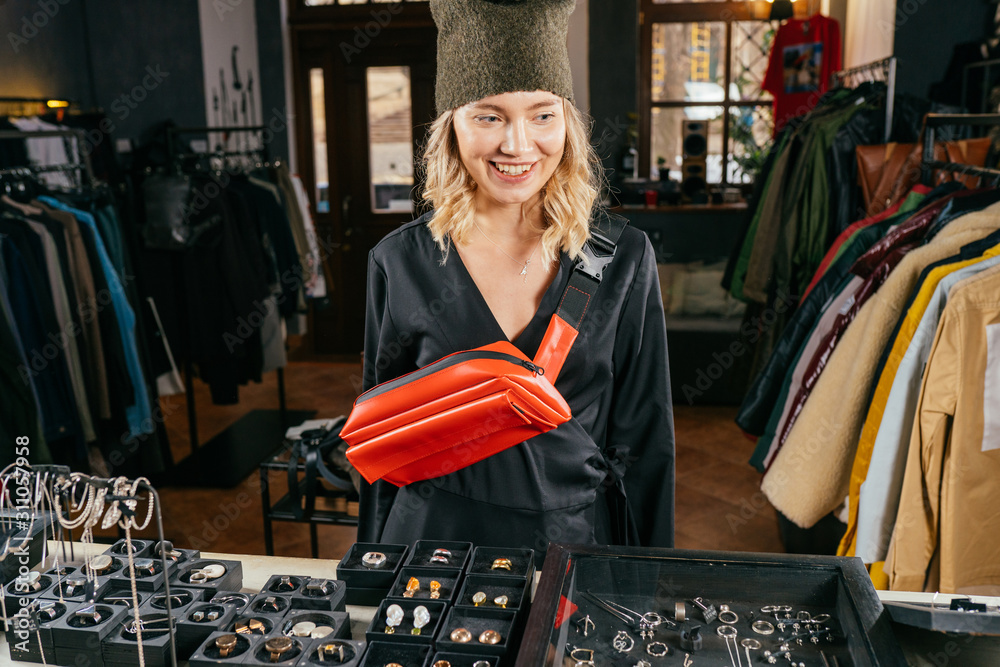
<point>568,199</point>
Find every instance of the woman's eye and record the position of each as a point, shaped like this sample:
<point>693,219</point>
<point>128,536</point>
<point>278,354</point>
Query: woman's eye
<point>546,116</point>
<point>488,119</point>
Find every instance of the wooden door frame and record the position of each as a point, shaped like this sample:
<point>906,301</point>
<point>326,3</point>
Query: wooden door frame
<point>309,27</point>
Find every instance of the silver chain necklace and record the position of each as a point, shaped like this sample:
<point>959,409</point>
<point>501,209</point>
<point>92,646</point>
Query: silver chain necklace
<point>524,264</point>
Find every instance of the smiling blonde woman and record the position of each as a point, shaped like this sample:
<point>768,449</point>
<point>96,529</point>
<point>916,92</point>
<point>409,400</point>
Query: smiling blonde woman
<point>513,182</point>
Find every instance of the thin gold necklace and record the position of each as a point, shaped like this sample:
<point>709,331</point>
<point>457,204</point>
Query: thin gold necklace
<point>524,264</point>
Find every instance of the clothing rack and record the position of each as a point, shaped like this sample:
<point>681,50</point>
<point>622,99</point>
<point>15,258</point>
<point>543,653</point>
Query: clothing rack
<point>934,121</point>
<point>879,70</point>
<point>176,155</point>
<point>80,136</point>
<point>987,66</point>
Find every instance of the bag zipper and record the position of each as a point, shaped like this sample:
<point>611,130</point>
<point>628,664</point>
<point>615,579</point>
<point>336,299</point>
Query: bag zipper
<point>446,362</point>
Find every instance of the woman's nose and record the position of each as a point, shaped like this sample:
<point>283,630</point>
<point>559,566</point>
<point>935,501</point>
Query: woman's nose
<point>516,138</point>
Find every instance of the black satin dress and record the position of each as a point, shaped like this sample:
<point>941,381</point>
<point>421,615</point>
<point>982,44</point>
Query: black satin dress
<point>604,477</point>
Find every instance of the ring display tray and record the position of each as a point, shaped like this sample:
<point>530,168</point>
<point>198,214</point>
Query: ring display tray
<point>623,603</point>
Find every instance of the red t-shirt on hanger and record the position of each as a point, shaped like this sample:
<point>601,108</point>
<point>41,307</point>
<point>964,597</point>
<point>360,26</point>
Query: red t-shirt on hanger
<point>804,55</point>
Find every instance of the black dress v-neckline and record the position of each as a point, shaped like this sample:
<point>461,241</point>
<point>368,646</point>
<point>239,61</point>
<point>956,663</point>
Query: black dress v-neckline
<point>531,337</point>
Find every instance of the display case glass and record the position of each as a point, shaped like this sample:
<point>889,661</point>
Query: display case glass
<point>620,605</point>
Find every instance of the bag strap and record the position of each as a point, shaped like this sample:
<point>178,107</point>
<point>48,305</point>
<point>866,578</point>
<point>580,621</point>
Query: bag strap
<point>313,446</point>
<point>598,251</point>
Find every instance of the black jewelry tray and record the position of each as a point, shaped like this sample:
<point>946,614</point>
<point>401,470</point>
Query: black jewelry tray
<point>464,659</point>
<point>449,578</point>
<point>515,588</point>
<point>340,621</point>
<point>353,652</point>
<point>26,647</point>
<point>367,586</point>
<point>207,655</point>
<point>260,655</point>
<point>191,633</point>
<point>653,580</point>
<point>423,550</point>
<point>381,653</point>
<point>477,620</point>
<point>522,562</point>
<point>402,635</point>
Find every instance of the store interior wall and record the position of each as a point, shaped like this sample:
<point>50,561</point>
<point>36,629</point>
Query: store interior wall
<point>613,76</point>
<point>927,32</point>
<point>110,53</point>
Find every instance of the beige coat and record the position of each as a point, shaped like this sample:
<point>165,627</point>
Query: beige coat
<point>947,533</point>
<point>810,474</point>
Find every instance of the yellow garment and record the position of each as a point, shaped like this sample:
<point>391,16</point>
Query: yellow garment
<point>863,456</point>
<point>809,477</point>
<point>947,532</point>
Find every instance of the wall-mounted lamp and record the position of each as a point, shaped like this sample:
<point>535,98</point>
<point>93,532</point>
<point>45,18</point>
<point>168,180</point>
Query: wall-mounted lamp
<point>781,10</point>
<point>57,104</point>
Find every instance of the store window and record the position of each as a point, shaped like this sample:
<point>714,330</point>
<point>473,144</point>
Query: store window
<point>703,64</point>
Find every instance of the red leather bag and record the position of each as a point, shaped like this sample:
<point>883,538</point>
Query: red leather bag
<point>459,410</point>
<point>470,405</point>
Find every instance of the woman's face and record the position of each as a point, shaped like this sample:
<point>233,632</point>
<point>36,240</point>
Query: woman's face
<point>511,143</point>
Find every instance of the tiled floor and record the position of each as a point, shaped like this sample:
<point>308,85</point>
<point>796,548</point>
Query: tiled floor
<point>718,506</point>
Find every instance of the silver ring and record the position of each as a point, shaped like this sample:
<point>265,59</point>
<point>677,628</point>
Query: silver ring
<point>373,559</point>
<point>623,642</point>
<point>481,663</point>
<point>728,616</point>
<point>750,643</point>
<point>762,627</point>
<point>441,560</point>
<point>660,650</point>
<point>726,631</point>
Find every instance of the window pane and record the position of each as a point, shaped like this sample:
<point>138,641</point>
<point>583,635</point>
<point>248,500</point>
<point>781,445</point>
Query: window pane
<point>750,130</point>
<point>751,48</point>
<point>390,138</point>
<point>689,61</point>
<point>668,131</point>
<point>317,96</point>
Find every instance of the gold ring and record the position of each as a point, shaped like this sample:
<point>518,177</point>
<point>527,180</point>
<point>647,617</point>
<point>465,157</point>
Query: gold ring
<point>461,635</point>
<point>501,564</point>
<point>442,663</point>
<point>278,646</point>
<point>489,637</point>
<point>225,644</point>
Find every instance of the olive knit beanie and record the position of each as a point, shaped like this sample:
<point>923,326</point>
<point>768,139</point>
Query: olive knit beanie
<point>489,47</point>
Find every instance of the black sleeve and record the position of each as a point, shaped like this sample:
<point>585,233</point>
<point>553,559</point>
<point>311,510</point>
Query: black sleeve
<point>641,423</point>
<point>377,498</point>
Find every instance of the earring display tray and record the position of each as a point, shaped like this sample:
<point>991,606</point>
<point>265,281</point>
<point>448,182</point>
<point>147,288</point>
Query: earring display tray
<point>124,597</point>
<point>271,605</point>
<point>260,655</point>
<point>140,549</point>
<point>181,600</point>
<point>268,622</point>
<point>209,655</point>
<point>339,623</point>
<point>403,632</point>
<point>26,640</point>
<point>631,592</point>
<point>477,621</point>
<point>121,648</point>
<point>381,653</point>
<point>465,659</point>
<point>327,652</point>
<point>368,585</point>
<point>231,578</point>
<point>522,562</point>
<point>449,578</point>
<point>493,586</point>
<point>423,553</point>
<point>200,621</point>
